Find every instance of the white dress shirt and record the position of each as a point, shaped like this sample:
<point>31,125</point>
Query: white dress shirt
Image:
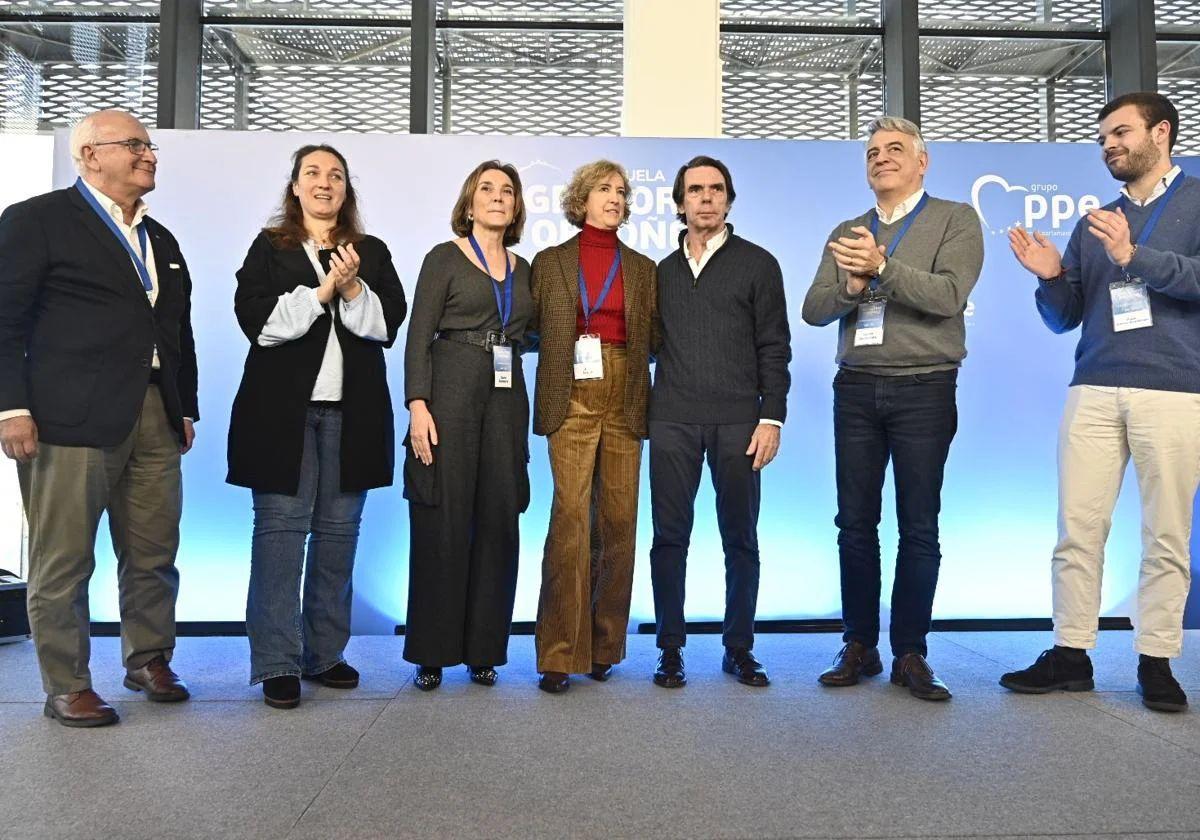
<point>1159,188</point>
<point>298,309</point>
<point>711,247</point>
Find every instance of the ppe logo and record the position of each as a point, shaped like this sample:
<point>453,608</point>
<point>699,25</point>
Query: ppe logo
<point>1002,206</point>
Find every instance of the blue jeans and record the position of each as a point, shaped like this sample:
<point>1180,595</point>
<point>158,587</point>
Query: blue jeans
<point>287,638</point>
<point>910,420</point>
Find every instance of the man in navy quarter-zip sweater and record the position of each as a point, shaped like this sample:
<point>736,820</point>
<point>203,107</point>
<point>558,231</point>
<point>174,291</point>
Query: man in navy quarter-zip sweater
<point>1131,278</point>
<point>896,279</point>
<point>720,393</point>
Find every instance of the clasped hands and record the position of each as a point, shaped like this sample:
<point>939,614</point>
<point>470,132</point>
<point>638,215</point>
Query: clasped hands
<point>859,256</point>
<point>1038,255</point>
<point>342,279</point>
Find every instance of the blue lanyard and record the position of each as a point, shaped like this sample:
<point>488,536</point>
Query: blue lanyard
<point>908,220</point>
<point>1159,207</point>
<point>504,308</point>
<point>589,311</point>
<point>139,261</point>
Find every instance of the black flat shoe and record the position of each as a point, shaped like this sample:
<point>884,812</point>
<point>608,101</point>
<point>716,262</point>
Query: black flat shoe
<point>1054,670</point>
<point>1159,689</point>
<point>554,682</point>
<point>911,671</point>
<point>600,671</point>
<point>427,678</point>
<point>340,675</point>
<point>853,661</point>
<point>483,675</point>
<point>281,692</point>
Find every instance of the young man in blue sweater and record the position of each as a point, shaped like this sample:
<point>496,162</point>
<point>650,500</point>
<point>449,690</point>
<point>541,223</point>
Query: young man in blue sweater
<point>1131,277</point>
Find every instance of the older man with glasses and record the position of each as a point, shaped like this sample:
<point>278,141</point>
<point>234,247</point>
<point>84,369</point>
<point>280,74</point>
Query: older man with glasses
<point>97,402</point>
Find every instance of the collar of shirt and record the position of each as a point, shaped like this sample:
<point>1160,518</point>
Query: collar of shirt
<point>1159,188</point>
<point>710,248</point>
<point>114,209</point>
<point>901,210</point>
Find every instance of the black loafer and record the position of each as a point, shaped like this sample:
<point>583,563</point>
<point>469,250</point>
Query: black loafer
<point>741,663</point>
<point>600,672</point>
<point>853,661</point>
<point>554,682</point>
<point>282,692</point>
<point>427,678</point>
<point>483,675</point>
<point>340,675</point>
<point>670,673</point>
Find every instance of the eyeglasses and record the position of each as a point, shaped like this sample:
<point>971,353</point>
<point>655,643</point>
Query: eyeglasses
<point>134,145</point>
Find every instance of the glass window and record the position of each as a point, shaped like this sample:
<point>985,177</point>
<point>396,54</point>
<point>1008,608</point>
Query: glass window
<point>1179,80</point>
<point>54,73</point>
<point>289,78</point>
<point>804,86</point>
<point>998,89</point>
<point>545,82</point>
<point>803,12</point>
<point>1011,14</point>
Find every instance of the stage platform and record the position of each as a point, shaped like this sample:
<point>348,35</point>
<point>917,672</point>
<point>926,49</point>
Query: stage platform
<point>622,759</point>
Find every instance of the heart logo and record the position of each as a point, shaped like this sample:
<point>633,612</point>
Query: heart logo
<point>1001,209</point>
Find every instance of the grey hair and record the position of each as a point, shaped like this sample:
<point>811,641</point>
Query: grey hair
<point>83,133</point>
<point>897,124</point>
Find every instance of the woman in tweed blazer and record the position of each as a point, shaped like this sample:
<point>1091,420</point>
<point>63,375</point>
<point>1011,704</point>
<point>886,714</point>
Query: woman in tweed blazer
<point>594,286</point>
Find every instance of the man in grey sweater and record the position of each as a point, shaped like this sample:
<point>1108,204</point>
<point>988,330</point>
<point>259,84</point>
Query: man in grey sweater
<point>896,279</point>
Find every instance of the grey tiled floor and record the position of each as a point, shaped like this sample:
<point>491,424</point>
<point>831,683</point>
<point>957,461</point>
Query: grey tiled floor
<point>623,759</point>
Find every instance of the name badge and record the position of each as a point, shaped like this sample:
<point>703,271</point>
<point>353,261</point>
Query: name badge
<point>589,363</point>
<point>868,332</point>
<point>1130,305</point>
<point>502,365</point>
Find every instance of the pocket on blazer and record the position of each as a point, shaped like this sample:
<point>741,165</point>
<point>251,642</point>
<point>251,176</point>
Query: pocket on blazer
<point>420,481</point>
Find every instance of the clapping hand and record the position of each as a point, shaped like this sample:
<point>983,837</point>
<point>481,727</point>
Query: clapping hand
<point>860,257</point>
<point>1035,252</point>
<point>1112,229</point>
<point>342,278</point>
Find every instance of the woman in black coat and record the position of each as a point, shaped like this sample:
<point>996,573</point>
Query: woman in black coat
<point>311,429</point>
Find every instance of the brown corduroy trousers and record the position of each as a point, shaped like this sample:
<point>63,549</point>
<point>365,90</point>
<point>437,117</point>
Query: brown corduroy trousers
<point>583,612</point>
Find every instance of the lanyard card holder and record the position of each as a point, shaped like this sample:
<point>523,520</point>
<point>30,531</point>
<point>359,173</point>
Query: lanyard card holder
<point>589,363</point>
<point>502,365</point>
<point>868,329</point>
<point>1130,304</point>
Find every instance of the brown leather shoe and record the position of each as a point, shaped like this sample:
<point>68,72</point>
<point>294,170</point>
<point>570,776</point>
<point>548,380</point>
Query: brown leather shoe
<point>161,684</point>
<point>554,682</point>
<point>601,671</point>
<point>80,708</point>
<point>854,660</point>
<point>913,672</point>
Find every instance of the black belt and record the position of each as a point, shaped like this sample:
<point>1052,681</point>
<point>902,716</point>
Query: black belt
<point>487,339</point>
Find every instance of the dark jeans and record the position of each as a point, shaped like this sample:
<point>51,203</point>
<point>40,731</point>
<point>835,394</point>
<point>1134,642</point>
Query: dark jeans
<point>911,420</point>
<point>677,455</point>
<point>285,636</point>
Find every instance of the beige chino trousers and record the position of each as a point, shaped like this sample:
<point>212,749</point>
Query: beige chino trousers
<point>1102,428</point>
<point>65,490</point>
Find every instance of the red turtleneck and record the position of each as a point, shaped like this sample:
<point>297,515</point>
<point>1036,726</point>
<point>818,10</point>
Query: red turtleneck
<point>597,248</point>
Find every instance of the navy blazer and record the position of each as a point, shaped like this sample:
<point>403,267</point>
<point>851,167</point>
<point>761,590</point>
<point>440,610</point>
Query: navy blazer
<point>77,331</point>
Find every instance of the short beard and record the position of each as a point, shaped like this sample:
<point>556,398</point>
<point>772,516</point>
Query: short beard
<point>1135,163</point>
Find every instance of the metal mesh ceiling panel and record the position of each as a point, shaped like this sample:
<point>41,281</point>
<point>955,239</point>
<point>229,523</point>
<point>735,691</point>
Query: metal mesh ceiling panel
<point>990,89</point>
<point>1177,15</point>
<point>810,86</point>
<point>1185,95</point>
<point>827,12</point>
<point>81,7</point>
<point>1012,14</point>
<point>514,10</point>
<point>52,74</point>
